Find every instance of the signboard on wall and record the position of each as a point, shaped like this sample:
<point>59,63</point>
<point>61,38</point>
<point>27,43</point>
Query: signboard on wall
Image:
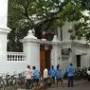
<point>65,53</point>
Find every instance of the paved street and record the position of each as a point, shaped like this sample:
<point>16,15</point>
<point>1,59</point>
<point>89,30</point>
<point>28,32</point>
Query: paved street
<point>79,85</point>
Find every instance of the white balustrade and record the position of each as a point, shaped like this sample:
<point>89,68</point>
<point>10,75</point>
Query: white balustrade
<point>15,56</point>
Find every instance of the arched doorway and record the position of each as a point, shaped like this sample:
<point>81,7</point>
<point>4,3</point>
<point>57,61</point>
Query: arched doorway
<point>45,52</point>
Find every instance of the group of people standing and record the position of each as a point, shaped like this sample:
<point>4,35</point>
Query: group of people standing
<point>55,74</point>
<point>32,75</point>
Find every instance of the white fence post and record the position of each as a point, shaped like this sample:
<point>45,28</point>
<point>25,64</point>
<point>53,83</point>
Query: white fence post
<point>56,52</point>
<point>31,48</point>
<point>4,30</point>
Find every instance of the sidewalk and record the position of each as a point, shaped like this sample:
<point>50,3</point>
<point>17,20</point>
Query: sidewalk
<point>78,85</point>
<point>76,82</point>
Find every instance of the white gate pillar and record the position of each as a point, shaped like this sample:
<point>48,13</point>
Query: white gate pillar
<point>3,44</point>
<point>31,48</point>
<point>56,52</point>
<point>4,30</point>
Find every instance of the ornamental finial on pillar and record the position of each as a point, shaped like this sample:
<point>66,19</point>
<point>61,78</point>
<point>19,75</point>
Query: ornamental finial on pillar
<point>55,39</point>
<point>30,35</point>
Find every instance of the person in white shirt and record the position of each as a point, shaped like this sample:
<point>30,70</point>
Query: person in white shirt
<point>28,75</point>
<point>45,77</point>
<point>45,73</point>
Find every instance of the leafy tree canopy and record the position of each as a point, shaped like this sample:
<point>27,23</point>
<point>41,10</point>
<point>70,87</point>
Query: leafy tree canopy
<point>42,15</point>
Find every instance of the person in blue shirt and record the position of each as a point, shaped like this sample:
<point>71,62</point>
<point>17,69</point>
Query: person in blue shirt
<point>59,75</point>
<point>36,75</point>
<point>70,74</point>
<point>52,73</point>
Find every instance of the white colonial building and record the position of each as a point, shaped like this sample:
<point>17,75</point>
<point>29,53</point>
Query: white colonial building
<point>80,49</point>
<point>41,53</point>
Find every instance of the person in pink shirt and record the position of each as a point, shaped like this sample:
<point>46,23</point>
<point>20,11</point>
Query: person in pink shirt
<point>28,75</point>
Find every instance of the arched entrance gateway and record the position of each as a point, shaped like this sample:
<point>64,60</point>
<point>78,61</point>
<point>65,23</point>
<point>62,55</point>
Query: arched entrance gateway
<point>41,53</point>
<point>45,56</point>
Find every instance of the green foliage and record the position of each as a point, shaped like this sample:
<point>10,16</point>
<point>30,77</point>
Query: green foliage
<point>42,15</point>
<point>82,29</point>
<point>85,4</point>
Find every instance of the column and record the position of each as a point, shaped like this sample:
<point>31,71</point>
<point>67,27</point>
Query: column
<point>56,52</point>
<point>31,48</point>
<point>72,57</point>
<point>3,13</point>
<point>4,30</point>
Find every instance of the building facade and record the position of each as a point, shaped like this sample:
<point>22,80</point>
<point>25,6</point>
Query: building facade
<point>41,53</point>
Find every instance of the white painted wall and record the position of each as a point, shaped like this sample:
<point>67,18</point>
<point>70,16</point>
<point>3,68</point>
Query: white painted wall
<point>56,52</point>
<point>3,34</point>
<point>66,34</point>
<point>88,57</point>
<point>32,54</point>
<point>55,55</point>
<point>3,29</point>
<point>85,56</point>
<point>3,46</point>
<point>12,66</point>
<point>85,59</point>
<point>3,13</point>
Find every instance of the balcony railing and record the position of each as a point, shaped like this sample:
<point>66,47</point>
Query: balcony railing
<point>15,56</point>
